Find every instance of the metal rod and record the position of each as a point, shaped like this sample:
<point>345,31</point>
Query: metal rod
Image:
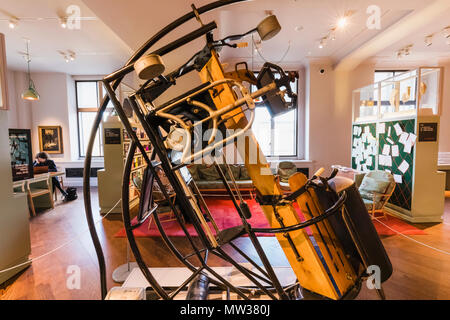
<point>88,159</point>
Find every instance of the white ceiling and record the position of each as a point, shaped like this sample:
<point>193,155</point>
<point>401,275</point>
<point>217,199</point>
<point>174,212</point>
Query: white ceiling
<point>103,45</point>
<point>98,50</point>
<point>136,20</point>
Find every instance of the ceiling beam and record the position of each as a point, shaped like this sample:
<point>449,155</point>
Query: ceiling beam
<point>393,34</point>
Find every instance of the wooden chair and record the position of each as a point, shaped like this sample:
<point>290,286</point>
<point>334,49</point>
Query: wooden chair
<point>376,188</point>
<point>39,187</point>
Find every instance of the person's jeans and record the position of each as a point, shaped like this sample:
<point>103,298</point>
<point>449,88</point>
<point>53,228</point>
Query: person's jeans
<point>57,185</point>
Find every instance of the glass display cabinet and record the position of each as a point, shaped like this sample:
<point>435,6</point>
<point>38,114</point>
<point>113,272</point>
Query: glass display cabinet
<point>396,129</point>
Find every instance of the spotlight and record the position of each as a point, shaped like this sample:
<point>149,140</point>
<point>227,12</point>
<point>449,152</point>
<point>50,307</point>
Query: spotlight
<point>71,55</point>
<point>342,22</point>
<point>63,22</point>
<point>447,32</point>
<point>332,34</point>
<point>429,40</point>
<point>13,22</point>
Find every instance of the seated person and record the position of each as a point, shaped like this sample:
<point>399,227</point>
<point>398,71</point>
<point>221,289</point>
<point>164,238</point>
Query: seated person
<point>42,160</point>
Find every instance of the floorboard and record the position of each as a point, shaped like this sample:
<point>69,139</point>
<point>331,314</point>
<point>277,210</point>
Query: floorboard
<point>419,272</point>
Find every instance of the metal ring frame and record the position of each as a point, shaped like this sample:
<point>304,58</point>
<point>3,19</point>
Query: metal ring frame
<point>268,275</point>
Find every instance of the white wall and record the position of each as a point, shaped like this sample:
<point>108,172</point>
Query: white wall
<point>329,112</point>
<point>444,135</point>
<point>56,107</point>
<point>329,109</point>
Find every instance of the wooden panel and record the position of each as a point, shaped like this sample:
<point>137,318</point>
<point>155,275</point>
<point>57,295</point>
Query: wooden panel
<point>309,270</point>
<point>338,265</point>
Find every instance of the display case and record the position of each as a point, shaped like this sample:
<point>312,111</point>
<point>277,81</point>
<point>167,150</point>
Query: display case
<point>396,129</point>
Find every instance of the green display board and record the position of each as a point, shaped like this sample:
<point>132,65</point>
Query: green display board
<point>399,139</point>
<point>364,147</point>
<point>394,152</point>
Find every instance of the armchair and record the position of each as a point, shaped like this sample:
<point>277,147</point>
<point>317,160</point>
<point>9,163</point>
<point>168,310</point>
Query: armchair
<point>376,189</point>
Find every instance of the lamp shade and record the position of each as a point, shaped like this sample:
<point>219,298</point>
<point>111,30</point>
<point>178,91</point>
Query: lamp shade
<point>30,93</point>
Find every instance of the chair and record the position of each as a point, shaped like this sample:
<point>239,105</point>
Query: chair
<point>284,171</point>
<point>376,188</point>
<point>36,189</point>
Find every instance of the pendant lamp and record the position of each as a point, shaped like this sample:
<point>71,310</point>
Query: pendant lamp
<point>30,94</point>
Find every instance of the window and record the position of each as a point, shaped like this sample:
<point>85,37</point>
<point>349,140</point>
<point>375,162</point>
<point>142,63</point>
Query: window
<point>276,136</point>
<point>402,80</point>
<point>381,75</point>
<point>88,100</point>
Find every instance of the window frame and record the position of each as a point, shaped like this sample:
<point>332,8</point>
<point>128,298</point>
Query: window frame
<point>78,110</point>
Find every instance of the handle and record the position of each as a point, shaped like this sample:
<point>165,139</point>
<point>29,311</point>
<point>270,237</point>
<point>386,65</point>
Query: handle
<point>319,172</point>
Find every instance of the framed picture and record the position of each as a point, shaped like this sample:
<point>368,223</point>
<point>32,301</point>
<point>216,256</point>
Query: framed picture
<point>21,155</point>
<point>3,86</point>
<point>50,139</point>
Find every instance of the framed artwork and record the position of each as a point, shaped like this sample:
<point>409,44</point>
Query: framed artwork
<point>50,139</point>
<point>3,86</point>
<point>21,155</point>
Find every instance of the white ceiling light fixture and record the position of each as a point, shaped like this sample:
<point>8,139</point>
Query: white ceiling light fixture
<point>332,34</point>
<point>13,22</point>
<point>343,21</point>
<point>63,22</point>
<point>323,42</point>
<point>446,32</point>
<point>429,40</point>
<point>68,55</point>
<point>405,51</point>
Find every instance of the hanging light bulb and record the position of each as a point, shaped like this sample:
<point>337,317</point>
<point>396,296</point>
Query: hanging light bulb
<point>30,94</point>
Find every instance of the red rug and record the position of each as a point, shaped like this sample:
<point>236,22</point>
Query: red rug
<point>226,216</point>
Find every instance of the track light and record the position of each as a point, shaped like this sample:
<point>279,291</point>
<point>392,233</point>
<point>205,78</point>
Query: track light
<point>342,22</point>
<point>446,32</point>
<point>323,43</point>
<point>332,35</point>
<point>63,22</point>
<point>405,51</point>
<point>429,40</point>
<point>13,23</point>
<point>68,55</point>
<point>71,55</point>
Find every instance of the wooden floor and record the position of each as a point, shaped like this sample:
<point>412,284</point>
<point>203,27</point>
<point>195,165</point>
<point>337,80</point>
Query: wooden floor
<point>419,272</point>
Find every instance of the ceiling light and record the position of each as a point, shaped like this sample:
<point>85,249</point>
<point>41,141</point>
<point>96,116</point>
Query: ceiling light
<point>323,43</point>
<point>298,28</point>
<point>342,22</point>
<point>13,22</point>
<point>429,40</point>
<point>63,22</point>
<point>447,32</point>
<point>71,55</point>
<point>30,94</point>
<point>332,34</point>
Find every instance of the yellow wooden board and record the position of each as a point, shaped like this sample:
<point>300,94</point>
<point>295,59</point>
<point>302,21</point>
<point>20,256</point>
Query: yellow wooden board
<point>330,247</point>
<point>310,271</point>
